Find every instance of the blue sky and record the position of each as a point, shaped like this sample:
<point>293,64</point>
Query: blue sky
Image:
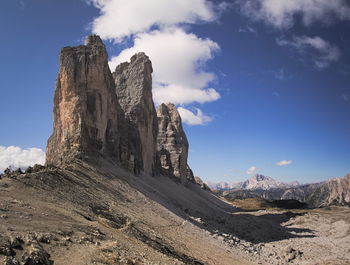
<point>265,81</point>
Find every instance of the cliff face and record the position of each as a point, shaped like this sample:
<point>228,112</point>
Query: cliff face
<point>339,190</point>
<point>100,114</point>
<point>87,116</point>
<point>331,192</point>
<point>134,91</point>
<point>172,144</point>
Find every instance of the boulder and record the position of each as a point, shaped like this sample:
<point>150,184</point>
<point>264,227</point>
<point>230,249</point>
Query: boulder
<point>36,255</point>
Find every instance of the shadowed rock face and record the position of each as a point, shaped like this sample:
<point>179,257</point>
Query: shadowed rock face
<point>134,90</point>
<point>172,144</point>
<point>87,116</point>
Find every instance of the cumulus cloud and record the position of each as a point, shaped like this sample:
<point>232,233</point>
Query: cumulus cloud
<point>284,162</point>
<point>156,27</point>
<point>192,118</point>
<point>177,58</point>
<point>122,18</point>
<point>20,158</point>
<point>322,51</point>
<point>283,13</point>
<point>252,170</point>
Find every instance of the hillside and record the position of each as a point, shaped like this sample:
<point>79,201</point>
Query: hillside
<point>100,214</point>
<point>84,215</point>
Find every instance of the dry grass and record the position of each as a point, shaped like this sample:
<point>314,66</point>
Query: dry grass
<point>251,204</point>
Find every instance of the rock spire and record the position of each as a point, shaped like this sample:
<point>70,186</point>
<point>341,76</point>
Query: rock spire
<point>172,144</point>
<point>87,115</point>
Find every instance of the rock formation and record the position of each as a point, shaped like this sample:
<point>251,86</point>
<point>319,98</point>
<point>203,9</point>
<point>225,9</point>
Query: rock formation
<point>100,114</point>
<point>87,116</point>
<point>331,192</point>
<point>172,144</point>
<point>201,183</point>
<point>134,90</point>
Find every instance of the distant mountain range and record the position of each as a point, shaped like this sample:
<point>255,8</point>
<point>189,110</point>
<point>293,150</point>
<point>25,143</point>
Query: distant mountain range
<point>331,192</point>
<point>256,182</point>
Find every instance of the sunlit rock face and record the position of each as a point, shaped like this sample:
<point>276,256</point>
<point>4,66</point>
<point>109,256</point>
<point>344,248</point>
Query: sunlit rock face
<point>88,120</point>
<point>172,144</point>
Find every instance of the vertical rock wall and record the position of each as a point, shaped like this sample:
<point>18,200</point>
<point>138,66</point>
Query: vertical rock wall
<point>134,90</point>
<point>86,111</point>
<point>172,144</point>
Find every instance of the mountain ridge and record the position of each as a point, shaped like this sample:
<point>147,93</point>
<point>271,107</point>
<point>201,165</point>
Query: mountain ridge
<point>334,191</point>
<point>255,182</point>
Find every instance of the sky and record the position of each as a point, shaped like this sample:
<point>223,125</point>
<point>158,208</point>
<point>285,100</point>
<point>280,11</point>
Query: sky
<point>262,85</point>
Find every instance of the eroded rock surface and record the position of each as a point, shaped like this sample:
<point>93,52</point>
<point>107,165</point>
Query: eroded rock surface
<point>87,116</point>
<point>134,90</point>
<point>172,144</point>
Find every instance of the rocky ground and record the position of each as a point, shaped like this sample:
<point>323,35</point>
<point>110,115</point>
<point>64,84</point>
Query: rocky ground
<point>317,236</point>
<point>80,215</point>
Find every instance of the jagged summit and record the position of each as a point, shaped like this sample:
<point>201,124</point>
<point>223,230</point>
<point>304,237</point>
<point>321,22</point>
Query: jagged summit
<point>100,114</point>
<point>261,182</point>
<point>259,177</point>
<point>93,40</point>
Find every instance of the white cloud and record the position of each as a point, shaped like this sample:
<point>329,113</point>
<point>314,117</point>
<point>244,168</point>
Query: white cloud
<point>198,118</point>
<point>252,170</point>
<point>156,27</point>
<point>322,51</point>
<point>122,18</point>
<point>177,58</point>
<point>20,158</point>
<point>284,163</point>
<point>283,13</point>
<point>183,95</point>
